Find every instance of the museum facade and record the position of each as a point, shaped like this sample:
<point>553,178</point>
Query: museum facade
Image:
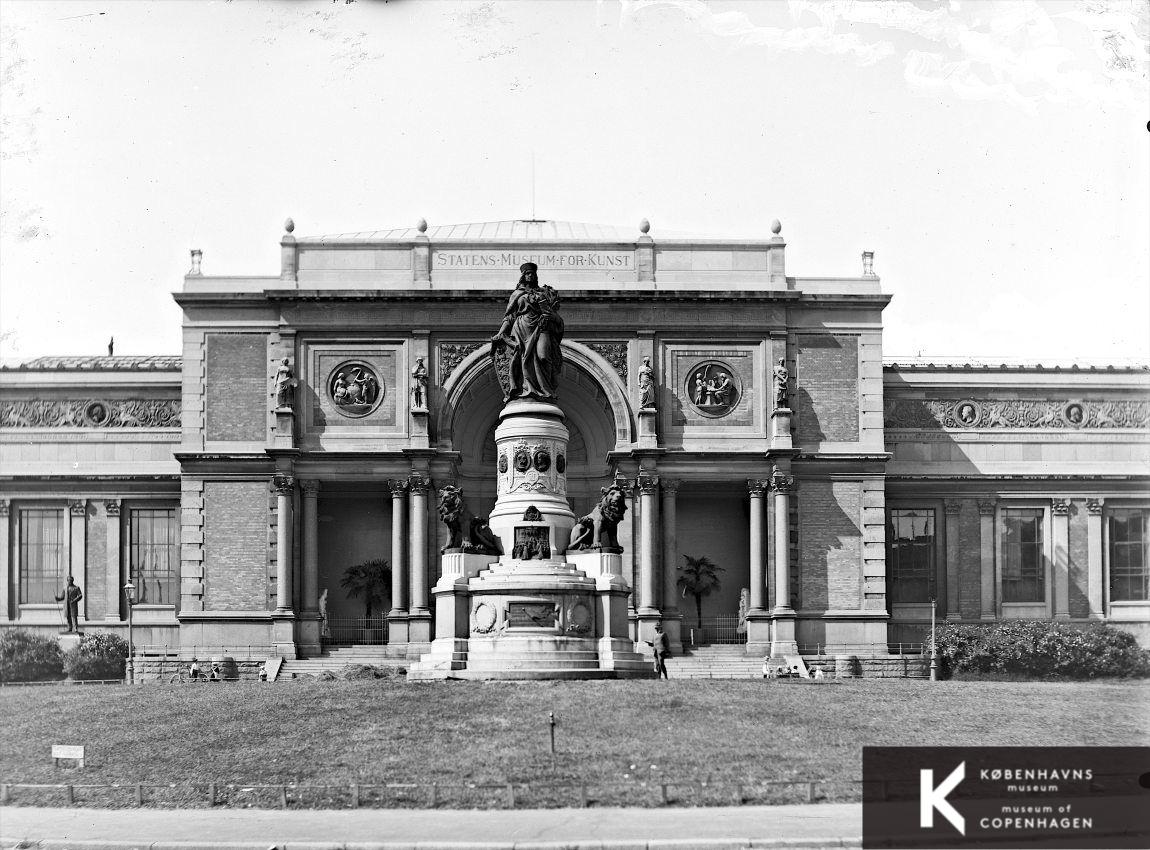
<point>315,416</point>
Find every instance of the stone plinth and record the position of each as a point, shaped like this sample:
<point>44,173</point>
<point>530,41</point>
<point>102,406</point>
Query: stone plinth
<point>781,428</point>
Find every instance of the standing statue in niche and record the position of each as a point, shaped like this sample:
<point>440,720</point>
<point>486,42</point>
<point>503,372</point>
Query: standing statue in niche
<point>285,384</point>
<point>419,385</point>
<point>782,376</point>
<point>530,338</point>
<point>647,384</point>
<point>324,631</point>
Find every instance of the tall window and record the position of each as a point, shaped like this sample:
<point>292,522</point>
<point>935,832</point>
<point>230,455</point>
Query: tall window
<point>910,555</point>
<point>1129,550</point>
<point>43,539</point>
<point>1023,563</point>
<point>155,555</point>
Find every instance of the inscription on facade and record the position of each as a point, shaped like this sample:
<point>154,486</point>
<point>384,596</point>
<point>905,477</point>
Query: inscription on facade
<point>565,260</point>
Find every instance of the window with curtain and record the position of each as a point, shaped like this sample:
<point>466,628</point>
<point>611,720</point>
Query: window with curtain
<point>154,555</point>
<point>1023,560</point>
<point>43,550</point>
<point>1129,550</point>
<point>910,554</point>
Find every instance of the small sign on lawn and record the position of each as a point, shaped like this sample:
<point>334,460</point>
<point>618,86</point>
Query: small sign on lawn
<point>65,751</point>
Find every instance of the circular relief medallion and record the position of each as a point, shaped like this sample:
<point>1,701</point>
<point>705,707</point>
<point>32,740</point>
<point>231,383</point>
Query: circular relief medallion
<point>96,413</point>
<point>967,413</point>
<point>561,464</point>
<point>502,463</point>
<point>579,619</point>
<point>522,460</point>
<point>484,617</point>
<point>354,388</point>
<point>542,460</point>
<point>1073,415</point>
<point>713,388</point>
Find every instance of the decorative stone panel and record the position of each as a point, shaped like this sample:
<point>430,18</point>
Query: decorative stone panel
<point>91,413</point>
<point>738,362</point>
<point>451,354</point>
<point>967,413</point>
<point>614,353</point>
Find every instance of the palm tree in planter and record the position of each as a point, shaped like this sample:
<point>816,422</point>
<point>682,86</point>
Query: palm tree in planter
<point>370,581</point>
<point>698,577</point>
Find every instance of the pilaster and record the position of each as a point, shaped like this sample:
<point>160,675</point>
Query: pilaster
<point>112,559</point>
<point>77,539</point>
<point>1060,531</point>
<point>1094,572</point>
<point>953,550</point>
<point>5,562</point>
<point>986,510</point>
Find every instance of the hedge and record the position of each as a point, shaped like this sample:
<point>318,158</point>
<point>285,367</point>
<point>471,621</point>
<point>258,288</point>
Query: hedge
<point>1041,649</point>
<point>29,657</point>
<point>98,656</point>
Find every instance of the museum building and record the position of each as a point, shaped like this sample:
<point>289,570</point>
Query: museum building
<point>744,411</point>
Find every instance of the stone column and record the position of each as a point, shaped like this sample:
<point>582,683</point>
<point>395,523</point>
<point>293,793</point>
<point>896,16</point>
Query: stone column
<point>77,540</point>
<point>783,641</point>
<point>986,557</point>
<point>1060,569</point>
<point>112,558</point>
<point>7,580</point>
<point>398,545</point>
<point>310,543</point>
<point>1095,591</point>
<point>284,487</point>
<point>419,615</point>
<point>636,576</point>
<point>758,556</point>
<point>648,485</point>
<point>953,509</point>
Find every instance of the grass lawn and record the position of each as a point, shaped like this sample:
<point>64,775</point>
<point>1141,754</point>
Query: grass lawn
<point>641,732</point>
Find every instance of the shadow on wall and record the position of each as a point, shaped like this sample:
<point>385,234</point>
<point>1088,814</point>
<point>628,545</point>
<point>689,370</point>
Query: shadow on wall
<point>830,549</point>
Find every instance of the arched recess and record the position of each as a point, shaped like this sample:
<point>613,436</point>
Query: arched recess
<point>591,396</point>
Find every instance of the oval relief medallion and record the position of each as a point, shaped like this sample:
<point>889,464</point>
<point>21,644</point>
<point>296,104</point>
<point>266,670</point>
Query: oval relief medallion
<point>713,388</point>
<point>354,388</point>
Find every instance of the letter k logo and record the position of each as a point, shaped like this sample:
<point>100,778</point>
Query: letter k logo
<point>935,798</point>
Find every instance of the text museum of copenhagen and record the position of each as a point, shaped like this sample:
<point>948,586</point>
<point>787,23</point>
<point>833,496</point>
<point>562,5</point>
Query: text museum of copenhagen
<point>549,431</point>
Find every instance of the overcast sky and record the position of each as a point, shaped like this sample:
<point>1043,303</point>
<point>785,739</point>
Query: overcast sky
<point>993,155</point>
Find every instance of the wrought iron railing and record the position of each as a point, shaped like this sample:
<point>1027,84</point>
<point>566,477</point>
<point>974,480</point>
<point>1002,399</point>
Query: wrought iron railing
<point>725,628</point>
<point>351,631</point>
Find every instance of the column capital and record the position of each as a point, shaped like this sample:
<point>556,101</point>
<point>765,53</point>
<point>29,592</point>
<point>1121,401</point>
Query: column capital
<point>647,483</point>
<point>756,487</point>
<point>781,482</point>
<point>283,484</point>
<point>77,507</point>
<point>1094,506</point>
<point>398,487</point>
<point>953,507</point>
<point>310,488</point>
<point>986,507</point>
<point>418,484</point>
<point>671,486</point>
<point>1060,507</point>
<point>624,484</point>
<point>112,507</point>
<point>5,507</point>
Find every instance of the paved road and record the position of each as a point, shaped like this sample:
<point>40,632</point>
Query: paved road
<point>826,825</point>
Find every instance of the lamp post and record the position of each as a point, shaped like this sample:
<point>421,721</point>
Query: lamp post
<point>130,598</point>
<point>933,647</point>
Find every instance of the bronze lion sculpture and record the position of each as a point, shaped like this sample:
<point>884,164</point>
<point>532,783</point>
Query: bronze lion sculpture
<point>453,511</point>
<point>599,529</point>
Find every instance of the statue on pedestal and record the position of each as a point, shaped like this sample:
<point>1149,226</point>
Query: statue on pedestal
<point>452,511</point>
<point>646,384</point>
<point>285,384</point>
<point>71,596</point>
<point>599,529</point>
<point>530,338</point>
<point>782,376</point>
<point>419,385</point>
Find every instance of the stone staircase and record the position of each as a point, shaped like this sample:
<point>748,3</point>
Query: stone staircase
<point>335,659</point>
<point>732,662</point>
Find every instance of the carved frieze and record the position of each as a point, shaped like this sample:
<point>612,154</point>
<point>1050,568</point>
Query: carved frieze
<point>614,353</point>
<point>965,413</point>
<point>90,413</point>
<point>451,354</point>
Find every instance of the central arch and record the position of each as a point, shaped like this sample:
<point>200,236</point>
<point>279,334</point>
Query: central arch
<point>592,398</point>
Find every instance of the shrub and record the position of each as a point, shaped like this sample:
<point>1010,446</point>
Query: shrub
<point>99,656</point>
<point>1038,648</point>
<point>29,657</point>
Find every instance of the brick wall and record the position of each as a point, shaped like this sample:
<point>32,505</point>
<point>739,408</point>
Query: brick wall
<point>826,395</point>
<point>96,557</point>
<point>830,544</point>
<point>1079,600</point>
<point>237,392</point>
<point>235,545</point>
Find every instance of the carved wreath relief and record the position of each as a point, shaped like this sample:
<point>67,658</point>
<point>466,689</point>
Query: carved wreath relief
<point>713,388</point>
<point>527,467</point>
<point>355,389</point>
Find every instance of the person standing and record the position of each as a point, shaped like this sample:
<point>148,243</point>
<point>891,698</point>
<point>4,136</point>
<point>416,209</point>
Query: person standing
<point>71,597</point>
<point>662,647</point>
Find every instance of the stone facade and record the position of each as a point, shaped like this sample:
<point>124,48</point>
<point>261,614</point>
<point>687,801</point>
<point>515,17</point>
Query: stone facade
<point>998,491</point>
